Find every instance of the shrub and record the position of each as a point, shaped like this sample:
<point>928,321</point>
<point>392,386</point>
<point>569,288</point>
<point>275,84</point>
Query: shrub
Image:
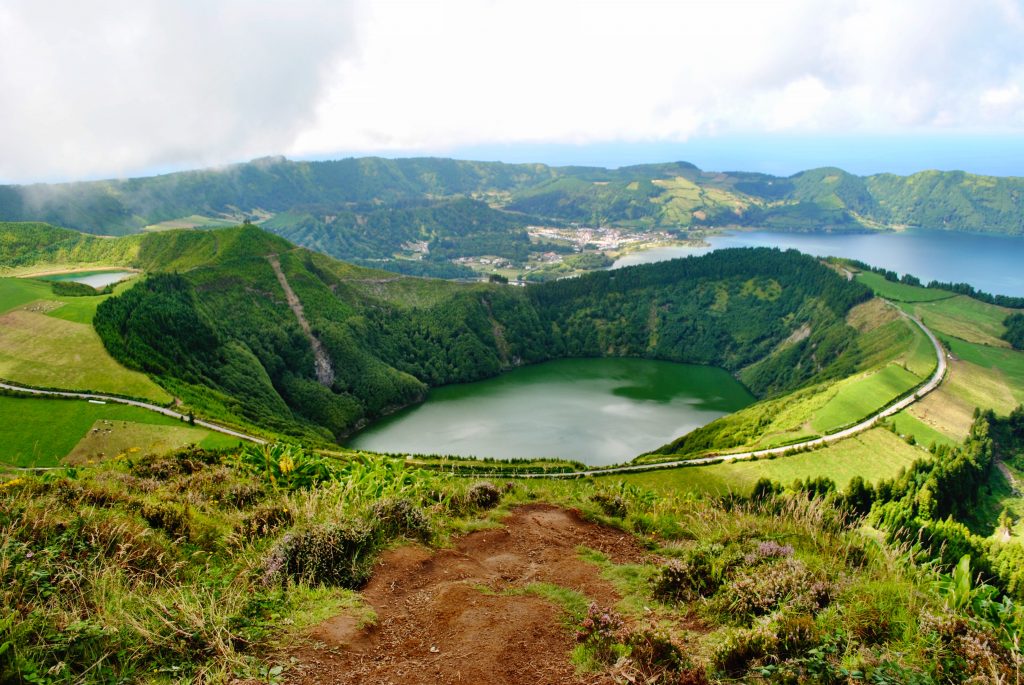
<point>693,576</point>
<point>169,518</point>
<point>599,632</point>
<point>338,555</point>
<point>264,520</point>
<point>796,633</point>
<point>483,495</point>
<point>654,654</point>
<point>738,649</point>
<point>759,591</point>
<point>243,494</point>
<point>396,517</point>
<point>768,550</point>
<point>611,505</point>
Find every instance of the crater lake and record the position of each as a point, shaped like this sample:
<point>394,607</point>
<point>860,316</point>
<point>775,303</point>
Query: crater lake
<point>597,411</point>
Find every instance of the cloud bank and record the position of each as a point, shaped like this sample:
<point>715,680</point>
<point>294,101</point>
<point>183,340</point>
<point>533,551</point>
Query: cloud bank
<point>112,88</point>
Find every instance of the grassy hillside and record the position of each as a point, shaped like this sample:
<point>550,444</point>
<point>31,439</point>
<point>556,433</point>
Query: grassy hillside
<point>211,567</point>
<point>48,341</point>
<point>220,333</point>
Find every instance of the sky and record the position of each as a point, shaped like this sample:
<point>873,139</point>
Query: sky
<point>117,89</point>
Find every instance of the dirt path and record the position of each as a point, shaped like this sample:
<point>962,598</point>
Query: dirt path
<point>322,363</point>
<point>453,616</point>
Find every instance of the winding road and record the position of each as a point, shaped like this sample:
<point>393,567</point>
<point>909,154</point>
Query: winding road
<point>921,391</point>
<point>134,403</point>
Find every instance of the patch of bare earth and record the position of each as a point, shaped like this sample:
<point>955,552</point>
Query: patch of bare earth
<point>445,616</point>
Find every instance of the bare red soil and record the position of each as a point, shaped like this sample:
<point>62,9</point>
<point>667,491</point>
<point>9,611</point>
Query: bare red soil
<point>442,616</point>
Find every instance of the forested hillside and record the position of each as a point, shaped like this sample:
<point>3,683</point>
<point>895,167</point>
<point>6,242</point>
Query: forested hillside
<point>370,207</point>
<point>25,244</point>
<point>220,332</point>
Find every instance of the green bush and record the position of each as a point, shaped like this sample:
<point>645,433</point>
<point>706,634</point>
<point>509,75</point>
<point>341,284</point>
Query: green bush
<point>611,505</point>
<point>760,590</point>
<point>693,576</point>
<point>75,289</point>
<point>339,555</point>
<point>739,649</point>
<point>264,520</point>
<point>483,495</point>
<point>394,517</point>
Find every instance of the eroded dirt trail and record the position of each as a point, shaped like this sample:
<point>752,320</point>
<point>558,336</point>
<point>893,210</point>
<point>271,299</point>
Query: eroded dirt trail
<point>321,361</point>
<point>446,616</point>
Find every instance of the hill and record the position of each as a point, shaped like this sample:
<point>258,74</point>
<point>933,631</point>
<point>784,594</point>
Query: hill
<point>241,564</point>
<point>373,208</point>
<point>24,245</point>
<point>215,324</point>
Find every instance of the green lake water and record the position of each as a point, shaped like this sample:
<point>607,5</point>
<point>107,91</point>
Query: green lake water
<point>598,411</point>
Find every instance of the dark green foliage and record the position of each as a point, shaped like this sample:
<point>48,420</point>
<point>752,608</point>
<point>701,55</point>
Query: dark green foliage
<point>928,504</point>
<point>765,489</point>
<point>426,268</point>
<point>135,329</point>
<point>672,310</point>
<point>951,200</point>
<point>25,244</point>
<point>859,496</point>
<point>339,554</point>
<point>451,228</point>
<point>1014,331</point>
<point>75,289</point>
<point>815,488</point>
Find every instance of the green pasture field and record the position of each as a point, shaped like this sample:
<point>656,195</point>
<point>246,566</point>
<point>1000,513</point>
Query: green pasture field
<point>41,432</point>
<point>964,318</point>
<point>15,292</point>
<point>50,343</point>
<point>874,455</point>
<point>1007,363</point>
<point>857,398</point>
<point>924,433</point>
<point>901,292</point>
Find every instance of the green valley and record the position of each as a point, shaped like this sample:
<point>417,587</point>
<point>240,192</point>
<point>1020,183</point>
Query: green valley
<point>427,216</point>
<point>180,529</point>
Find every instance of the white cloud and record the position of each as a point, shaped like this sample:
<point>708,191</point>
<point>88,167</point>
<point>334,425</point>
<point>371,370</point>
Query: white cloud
<point>112,87</point>
<point>486,72</point>
<point>121,87</point>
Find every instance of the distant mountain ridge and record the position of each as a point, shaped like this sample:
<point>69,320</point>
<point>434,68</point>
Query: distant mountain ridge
<point>331,203</point>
